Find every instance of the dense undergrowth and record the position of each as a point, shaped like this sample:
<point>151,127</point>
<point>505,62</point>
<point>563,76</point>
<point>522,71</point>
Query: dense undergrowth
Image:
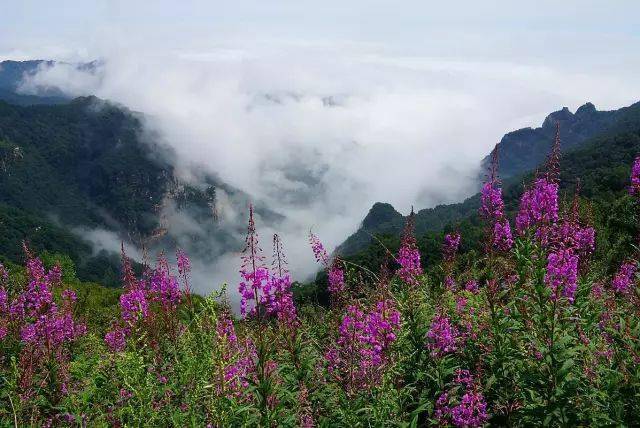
<point>530,329</point>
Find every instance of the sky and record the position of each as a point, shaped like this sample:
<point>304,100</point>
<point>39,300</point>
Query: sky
<point>320,109</point>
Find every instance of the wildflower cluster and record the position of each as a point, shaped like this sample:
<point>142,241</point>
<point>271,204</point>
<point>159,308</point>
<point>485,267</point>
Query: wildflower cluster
<point>43,328</point>
<point>239,359</point>
<point>490,348</point>
<point>360,351</point>
<point>562,273</point>
<point>538,205</point>
<point>158,289</point>
<point>270,291</point>
<point>443,336</point>
<point>624,279</point>
<point>634,189</point>
<point>469,410</point>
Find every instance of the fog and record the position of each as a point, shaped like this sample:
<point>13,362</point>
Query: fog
<point>320,138</point>
<point>316,118</point>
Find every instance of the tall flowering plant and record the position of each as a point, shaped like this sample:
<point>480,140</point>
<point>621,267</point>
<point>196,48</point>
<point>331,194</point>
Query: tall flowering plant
<point>239,365</point>
<point>492,209</point>
<point>43,329</point>
<point>148,303</point>
<point>334,268</point>
<point>408,255</point>
<point>634,189</point>
<point>360,353</point>
<point>450,246</point>
<point>539,204</point>
<point>254,274</point>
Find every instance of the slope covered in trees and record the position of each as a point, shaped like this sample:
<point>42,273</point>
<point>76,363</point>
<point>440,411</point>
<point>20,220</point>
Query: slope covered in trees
<point>604,153</point>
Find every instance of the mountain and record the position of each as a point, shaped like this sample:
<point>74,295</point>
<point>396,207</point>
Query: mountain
<point>524,149</point>
<point>69,171</point>
<point>12,74</point>
<point>520,152</point>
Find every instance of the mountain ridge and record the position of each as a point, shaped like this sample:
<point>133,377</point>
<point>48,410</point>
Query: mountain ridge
<point>576,129</point>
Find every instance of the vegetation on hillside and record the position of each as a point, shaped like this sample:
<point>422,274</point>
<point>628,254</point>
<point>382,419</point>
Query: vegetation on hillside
<point>589,133</point>
<point>598,170</point>
<point>530,325</point>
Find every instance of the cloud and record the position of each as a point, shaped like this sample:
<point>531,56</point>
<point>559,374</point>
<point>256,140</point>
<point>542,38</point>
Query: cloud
<point>107,240</point>
<point>320,135</point>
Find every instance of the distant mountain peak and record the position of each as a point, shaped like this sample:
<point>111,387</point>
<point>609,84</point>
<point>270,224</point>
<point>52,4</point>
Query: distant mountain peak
<point>521,151</point>
<point>586,109</point>
<point>380,212</point>
<point>563,115</point>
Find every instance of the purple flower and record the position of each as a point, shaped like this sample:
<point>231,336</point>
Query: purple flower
<point>471,286</point>
<point>239,358</point>
<point>491,203</point>
<point>408,255</point>
<point>635,177</point>
<point>538,205</point>
<point>502,238</point>
<point>568,233</point>
<point>562,273</point>
<point>69,295</point>
<point>318,250</point>
<point>277,299</point>
<point>450,246</point>
<point>184,264</point>
<point>251,287</point>
<point>464,377</point>
<point>116,339</point>
<point>335,274</point>
<point>163,286</point>
<point>471,412</point>
<point>134,306</point>
<point>336,278</point>
<point>4,301</point>
<point>225,329</point>
<point>623,280</point>
<point>443,337</point>
<point>360,353</point>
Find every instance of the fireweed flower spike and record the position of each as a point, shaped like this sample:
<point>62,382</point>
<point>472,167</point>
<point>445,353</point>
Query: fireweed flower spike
<point>254,274</point>
<point>359,353</point>
<point>408,255</point>
<point>634,189</point>
<point>492,209</point>
<point>239,358</point>
<point>502,238</point>
<point>318,250</point>
<point>450,246</point>
<point>491,203</point>
<point>625,277</point>
<point>277,296</point>
<point>539,204</point>
<point>562,273</point>
<point>279,265</point>
<point>335,272</point>
<point>443,337</point>
<point>158,288</point>
<point>44,329</point>
<point>470,410</point>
